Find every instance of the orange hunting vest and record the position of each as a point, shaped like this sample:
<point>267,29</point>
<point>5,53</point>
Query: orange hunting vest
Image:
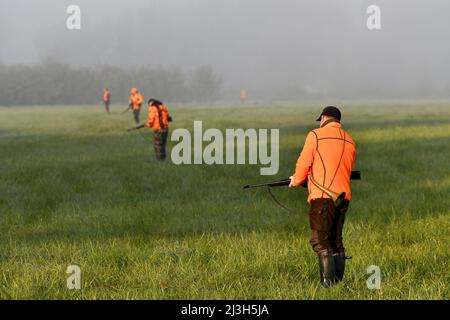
<point>136,100</point>
<point>329,155</point>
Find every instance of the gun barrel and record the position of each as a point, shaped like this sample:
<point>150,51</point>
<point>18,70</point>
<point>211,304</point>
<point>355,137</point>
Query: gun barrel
<point>137,127</point>
<point>284,182</point>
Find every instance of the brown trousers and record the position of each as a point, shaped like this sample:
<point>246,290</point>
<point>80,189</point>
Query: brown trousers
<point>326,222</point>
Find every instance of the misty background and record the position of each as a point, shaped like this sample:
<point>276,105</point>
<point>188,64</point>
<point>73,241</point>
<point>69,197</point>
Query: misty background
<point>206,50</point>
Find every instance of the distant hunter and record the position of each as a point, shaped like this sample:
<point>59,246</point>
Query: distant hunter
<point>135,103</point>
<point>158,120</point>
<point>106,99</point>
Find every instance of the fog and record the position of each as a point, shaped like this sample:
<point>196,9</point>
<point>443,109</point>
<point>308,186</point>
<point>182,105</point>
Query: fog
<point>276,49</point>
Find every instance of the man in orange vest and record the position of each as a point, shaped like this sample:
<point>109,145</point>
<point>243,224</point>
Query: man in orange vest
<point>106,99</point>
<point>327,158</point>
<point>158,121</point>
<point>135,102</point>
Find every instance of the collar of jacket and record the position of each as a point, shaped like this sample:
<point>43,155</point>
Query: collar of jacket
<point>331,123</point>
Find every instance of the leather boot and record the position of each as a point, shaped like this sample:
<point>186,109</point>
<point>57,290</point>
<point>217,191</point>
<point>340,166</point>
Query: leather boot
<point>327,267</point>
<point>339,262</point>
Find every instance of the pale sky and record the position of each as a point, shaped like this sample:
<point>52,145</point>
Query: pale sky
<point>262,45</point>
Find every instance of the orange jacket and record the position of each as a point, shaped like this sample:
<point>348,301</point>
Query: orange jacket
<point>329,155</point>
<point>106,95</point>
<point>158,117</point>
<point>136,99</point>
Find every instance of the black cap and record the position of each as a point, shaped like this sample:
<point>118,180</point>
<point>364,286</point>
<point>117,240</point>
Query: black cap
<point>154,101</point>
<point>332,112</point>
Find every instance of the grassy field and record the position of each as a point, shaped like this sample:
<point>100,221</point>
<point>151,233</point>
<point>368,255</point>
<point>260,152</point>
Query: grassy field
<point>76,189</point>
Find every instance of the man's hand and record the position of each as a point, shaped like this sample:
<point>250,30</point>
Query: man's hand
<point>292,184</point>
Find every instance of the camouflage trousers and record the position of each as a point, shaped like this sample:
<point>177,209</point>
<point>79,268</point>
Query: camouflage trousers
<point>159,144</point>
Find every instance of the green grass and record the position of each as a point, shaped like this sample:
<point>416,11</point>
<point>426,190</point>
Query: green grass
<point>76,189</point>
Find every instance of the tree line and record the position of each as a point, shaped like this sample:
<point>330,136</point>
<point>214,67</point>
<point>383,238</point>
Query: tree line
<point>52,83</point>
